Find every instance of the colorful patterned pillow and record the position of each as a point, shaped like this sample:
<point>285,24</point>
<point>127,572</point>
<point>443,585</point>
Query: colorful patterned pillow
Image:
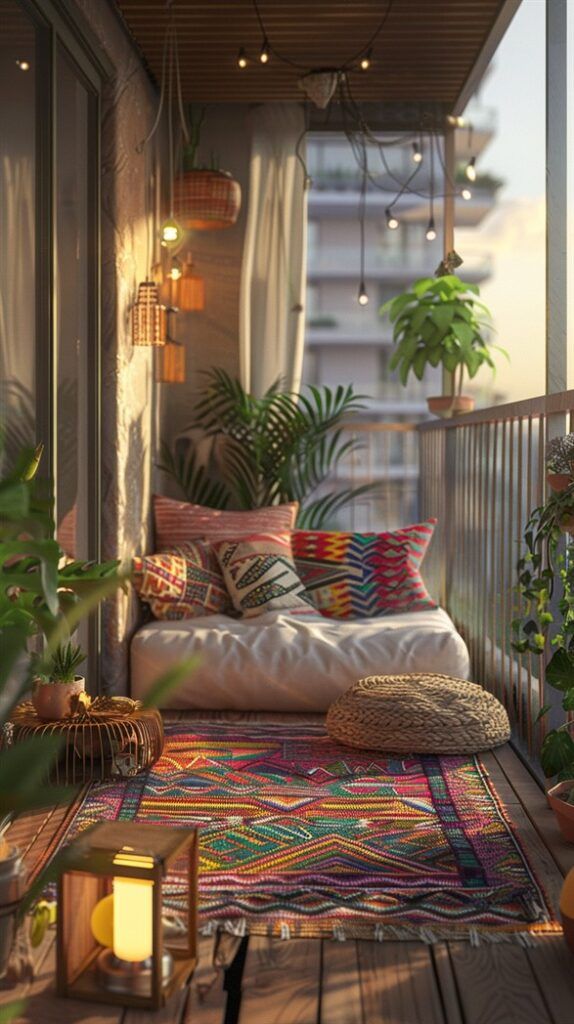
<point>260,575</point>
<point>182,583</point>
<point>177,521</point>
<point>359,575</point>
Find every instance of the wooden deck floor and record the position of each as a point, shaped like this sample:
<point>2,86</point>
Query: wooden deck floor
<point>300,981</point>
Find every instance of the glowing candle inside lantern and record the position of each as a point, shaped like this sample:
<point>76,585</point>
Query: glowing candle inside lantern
<point>133,916</point>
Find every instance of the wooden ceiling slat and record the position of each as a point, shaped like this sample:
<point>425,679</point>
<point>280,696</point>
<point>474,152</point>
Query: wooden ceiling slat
<point>426,50</point>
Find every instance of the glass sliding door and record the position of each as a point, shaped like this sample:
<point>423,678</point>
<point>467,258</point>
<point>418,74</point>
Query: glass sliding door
<point>18,86</point>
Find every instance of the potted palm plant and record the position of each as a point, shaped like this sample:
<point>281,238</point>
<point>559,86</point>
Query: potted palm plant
<point>546,587</point>
<point>441,322</point>
<point>57,682</point>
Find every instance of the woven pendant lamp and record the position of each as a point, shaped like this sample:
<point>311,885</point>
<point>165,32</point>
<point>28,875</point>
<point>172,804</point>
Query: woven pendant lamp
<point>149,322</point>
<point>191,290</point>
<point>170,365</point>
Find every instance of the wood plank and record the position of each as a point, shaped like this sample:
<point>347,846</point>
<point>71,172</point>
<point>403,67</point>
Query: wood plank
<point>553,966</point>
<point>497,985</point>
<point>341,1000</point>
<point>281,981</point>
<point>398,983</point>
<point>207,1000</point>
<point>447,983</point>
<point>533,799</point>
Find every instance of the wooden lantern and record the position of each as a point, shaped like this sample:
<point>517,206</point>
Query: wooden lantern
<point>116,871</point>
<point>206,200</point>
<point>149,320</point>
<point>170,365</point>
<point>191,290</point>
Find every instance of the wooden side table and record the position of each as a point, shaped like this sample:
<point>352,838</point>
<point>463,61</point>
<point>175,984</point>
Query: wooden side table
<point>114,737</point>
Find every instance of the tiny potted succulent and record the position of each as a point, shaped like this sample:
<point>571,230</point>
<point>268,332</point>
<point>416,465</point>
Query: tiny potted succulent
<point>560,475</point>
<point>546,586</point>
<point>441,322</point>
<point>56,682</point>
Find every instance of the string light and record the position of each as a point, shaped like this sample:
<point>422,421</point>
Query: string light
<point>470,170</point>
<point>466,194</point>
<point>366,61</point>
<point>363,298</point>
<point>265,51</point>
<point>24,65</point>
<point>176,269</point>
<point>431,230</point>
<point>392,222</point>
<point>170,232</point>
<point>417,155</point>
<point>242,61</point>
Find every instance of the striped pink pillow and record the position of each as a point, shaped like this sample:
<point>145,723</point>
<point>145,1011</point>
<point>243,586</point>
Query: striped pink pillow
<point>178,521</point>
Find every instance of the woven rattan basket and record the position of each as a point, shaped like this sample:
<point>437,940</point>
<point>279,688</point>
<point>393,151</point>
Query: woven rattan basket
<point>422,714</point>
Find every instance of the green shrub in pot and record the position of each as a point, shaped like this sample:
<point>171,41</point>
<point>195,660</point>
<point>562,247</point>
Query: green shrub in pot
<point>441,322</point>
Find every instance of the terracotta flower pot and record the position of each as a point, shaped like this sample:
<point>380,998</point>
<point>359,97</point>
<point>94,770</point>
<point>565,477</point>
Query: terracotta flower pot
<point>559,481</point>
<point>447,406</point>
<point>564,812</point>
<point>52,701</point>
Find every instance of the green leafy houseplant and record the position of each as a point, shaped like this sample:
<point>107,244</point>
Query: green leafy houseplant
<point>546,584</point>
<point>63,663</point>
<point>440,322</point>
<point>262,451</point>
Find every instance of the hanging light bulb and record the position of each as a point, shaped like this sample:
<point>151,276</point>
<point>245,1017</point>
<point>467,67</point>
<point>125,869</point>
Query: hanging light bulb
<point>24,65</point>
<point>170,232</point>
<point>470,170</point>
<point>265,52</point>
<point>363,298</point>
<point>466,194</point>
<point>417,155</point>
<point>242,61</point>
<point>365,62</point>
<point>392,222</point>
<point>176,269</point>
<point>431,231</point>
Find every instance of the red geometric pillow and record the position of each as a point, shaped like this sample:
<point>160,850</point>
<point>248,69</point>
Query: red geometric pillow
<point>182,583</point>
<point>361,575</point>
<point>179,521</point>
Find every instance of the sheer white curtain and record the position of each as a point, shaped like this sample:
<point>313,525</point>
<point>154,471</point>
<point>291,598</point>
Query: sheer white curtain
<point>273,278</point>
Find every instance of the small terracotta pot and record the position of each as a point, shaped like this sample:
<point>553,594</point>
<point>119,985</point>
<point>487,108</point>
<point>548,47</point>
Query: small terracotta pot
<point>52,701</point>
<point>559,481</point>
<point>564,812</point>
<point>447,406</point>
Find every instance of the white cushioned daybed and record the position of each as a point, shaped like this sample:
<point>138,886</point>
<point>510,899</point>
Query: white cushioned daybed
<point>289,662</point>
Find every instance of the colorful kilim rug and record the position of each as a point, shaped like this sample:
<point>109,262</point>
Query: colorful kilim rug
<point>302,836</point>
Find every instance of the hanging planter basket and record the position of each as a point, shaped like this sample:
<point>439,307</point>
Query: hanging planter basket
<point>206,200</point>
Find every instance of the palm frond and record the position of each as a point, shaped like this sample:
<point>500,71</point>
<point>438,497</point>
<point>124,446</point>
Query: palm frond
<point>192,477</point>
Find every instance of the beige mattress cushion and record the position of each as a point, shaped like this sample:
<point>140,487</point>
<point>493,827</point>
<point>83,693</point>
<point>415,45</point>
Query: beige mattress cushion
<point>285,662</point>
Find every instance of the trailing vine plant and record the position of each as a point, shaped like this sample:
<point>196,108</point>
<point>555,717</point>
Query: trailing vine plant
<point>546,587</point>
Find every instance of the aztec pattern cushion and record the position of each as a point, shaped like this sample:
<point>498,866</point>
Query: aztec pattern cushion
<point>260,575</point>
<point>178,521</point>
<point>182,583</point>
<point>359,575</point>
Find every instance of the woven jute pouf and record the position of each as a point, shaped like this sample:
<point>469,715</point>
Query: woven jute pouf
<point>418,714</point>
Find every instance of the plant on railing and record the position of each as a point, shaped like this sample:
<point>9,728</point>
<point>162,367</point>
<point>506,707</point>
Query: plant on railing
<point>263,451</point>
<point>546,585</point>
<point>441,322</point>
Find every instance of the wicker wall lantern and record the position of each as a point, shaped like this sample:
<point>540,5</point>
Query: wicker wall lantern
<point>148,317</point>
<point>192,289</point>
<point>110,939</point>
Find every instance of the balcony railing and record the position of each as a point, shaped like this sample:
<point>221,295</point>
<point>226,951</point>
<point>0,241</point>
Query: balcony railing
<point>334,260</point>
<point>481,476</point>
